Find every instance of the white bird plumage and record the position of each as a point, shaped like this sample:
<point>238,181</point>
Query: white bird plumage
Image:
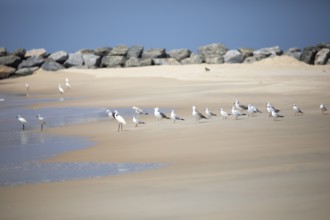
<point>296,110</point>
<point>139,111</point>
<point>41,121</point>
<point>174,117</point>
<point>110,114</point>
<point>27,87</point>
<point>236,112</point>
<point>22,120</point>
<point>208,113</point>
<point>224,114</point>
<point>239,107</point>
<point>323,109</point>
<point>270,108</point>
<point>197,115</point>
<point>275,115</point>
<point>120,120</point>
<point>137,121</point>
<point>159,115</point>
<point>252,110</point>
<point>60,89</point>
<point>67,84</point>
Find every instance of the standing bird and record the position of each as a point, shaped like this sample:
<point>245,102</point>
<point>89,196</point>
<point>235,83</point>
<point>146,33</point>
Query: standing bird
<point>120,120</point>
<point>159,115</point>
<point>271,108</point>
<point>60,89</point>
<point>239,106</point>
<point>275,115</point>
<point>209,114</point>
<point>197,115</point>
<point>139,111</point>
<point>252,109</point>
<point>136,121</point>
<point>22,120</point>
<point>323,109</point>
<point>42,122</point>
<point>236,112</point>
<point>110,114</point>
<point>296,110</point>
<point>27,87</point>
<point>224,114</point>
<point>67,84</point>
<point>174,117</point>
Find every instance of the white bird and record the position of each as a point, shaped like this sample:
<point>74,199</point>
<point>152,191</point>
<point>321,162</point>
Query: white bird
<point>174,117</point>
<point>120,120</point>
<point>323,109</point>
<point>159,115</point>
<point>271,108</point>
<point>236,112</point>
<point>252,109</point>
<point>42,121</point>
<point>22,120</point>
<point>27,86</point>
<point>208,113</point>
<point>197,115</point>
<point>239,106</point>
<point>224,114</point>
<point>139,111</point>
<point>67,84</point>
<point>110,114</point>
<point>60,89</point>
<point>275,115</point>
<point>296,110</point>
<point>136,121</point>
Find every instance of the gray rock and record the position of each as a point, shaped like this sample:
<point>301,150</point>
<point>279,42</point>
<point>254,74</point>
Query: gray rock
<point>119,50</point>
<point>165,61</point>
<point>269,51</point>
<point>51,66</point>
<point>86,51</point>
<point>133,62</point>
<point>154,53</point>
<point>179,54</point>
<point>113,61</point>
<point>322,56</point>
<point>247,52</point>
<point>308,54</point>
<point>20,52</point>
<point>324,45</point>
<point>32,62</point>
<point>102,51</point>
<point>59,56</point>
<point>233,56</point>
<point>26,71</point>
<point>250,60</point>
<point>293,52</point>
<point>10,60</point>
<point>3,51</point>
<point>213,53</point>
<point>74,59</point>
<point>36,52</point>
<point>193,59</point>
<point>6,71</point>
<point>91,60</point>
<point>146,62</point>
<point>135,51</point>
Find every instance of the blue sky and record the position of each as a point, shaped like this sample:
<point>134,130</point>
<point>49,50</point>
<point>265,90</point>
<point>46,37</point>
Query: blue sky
<point>75,24</point>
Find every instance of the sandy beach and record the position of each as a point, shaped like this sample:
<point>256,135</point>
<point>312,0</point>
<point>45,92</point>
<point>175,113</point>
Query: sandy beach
<point>250,168</point>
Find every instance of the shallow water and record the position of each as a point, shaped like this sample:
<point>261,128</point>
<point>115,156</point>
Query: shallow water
<point>21,150</point>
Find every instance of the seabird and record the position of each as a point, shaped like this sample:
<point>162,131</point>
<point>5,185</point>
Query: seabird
<point>159,115</point>
<point>323,109</point>
<point>296,110</point>
<point>27,86</point>
<point>197,115</point>
<point>275,115</point>
<point>120,120</point>
<point>224,114</point>
<point>207,69</point>
<point>22,120</point>
<point>236,112</point>
<point>67,84</point>
<point>271,108</point>
<point>139,111</point>
<point>208,113</point>
<point>252,109</point>
<point>136,121</point>
<point>174,117</point>
<point>239,106</point>
<point>42,122</point>
<point>60,89</point>
<point>110,114</point>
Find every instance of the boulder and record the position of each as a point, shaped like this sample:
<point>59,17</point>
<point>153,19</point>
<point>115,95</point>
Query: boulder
<point>308,54</point>
<point>247,52</point>
<point>154,53</point>
<point>293,52</point>
<point>193,59</point>
<point>119,50</point>
<point>133,62</point>
<point>74,59</point>
<point>135,51</point>
<point>233,56</point>
<point>91,60</point>
<point>269,51</point>
<point>324,45</point>
<point>26,71</point>
<point>20,52</point>
<point>6,71</point>
<point>31,62</point>
<point>10,60</point>
<point>36,52</point>
<point>3,51</point>
<point>59,56</point>
<point>86,51</point>
<point>213,53</point>
<point>102,51</point>
<point>250,60</point>
<point>51,66</point>
<point>322,56</point>
<point>165,61</point>
<point>179,54</point>
<point>113,61</point>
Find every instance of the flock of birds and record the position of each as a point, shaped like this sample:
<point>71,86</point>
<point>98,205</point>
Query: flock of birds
<point>236,111</point>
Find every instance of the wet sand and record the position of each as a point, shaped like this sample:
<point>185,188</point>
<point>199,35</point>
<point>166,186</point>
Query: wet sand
<point>251,168</point>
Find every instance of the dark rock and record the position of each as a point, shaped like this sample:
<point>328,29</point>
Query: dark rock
<point>165,61</point>
<point>324,45</point>
<point>74,59</point>
<point>113,61</point>
<point>269,51</point>
<point>86,51</point>
<point>213,53</point>
<point>32,62</point>
<point>179,54</point>
<point>91,60</point>
<point>3,51</point>
<point>26,71</point>
<point>36,52</point>
<point>103,51</point>
<point>193,59</point>
<point>322,56</point>
<point>250,60</point>
<point>59,56</point>
<point>154,53</point>
<point>247,52</point>
<point>135,51</point>
<point>51,66</point>
<point>308,54</point>
<point>6,71</point>
<point>293,52</point>
<point>20,52</point>
<point>119,50</point>
<point>233,56</point>
<point>10,60</point>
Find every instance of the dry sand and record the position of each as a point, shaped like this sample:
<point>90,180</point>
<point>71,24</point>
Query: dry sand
<point>251,168</point>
